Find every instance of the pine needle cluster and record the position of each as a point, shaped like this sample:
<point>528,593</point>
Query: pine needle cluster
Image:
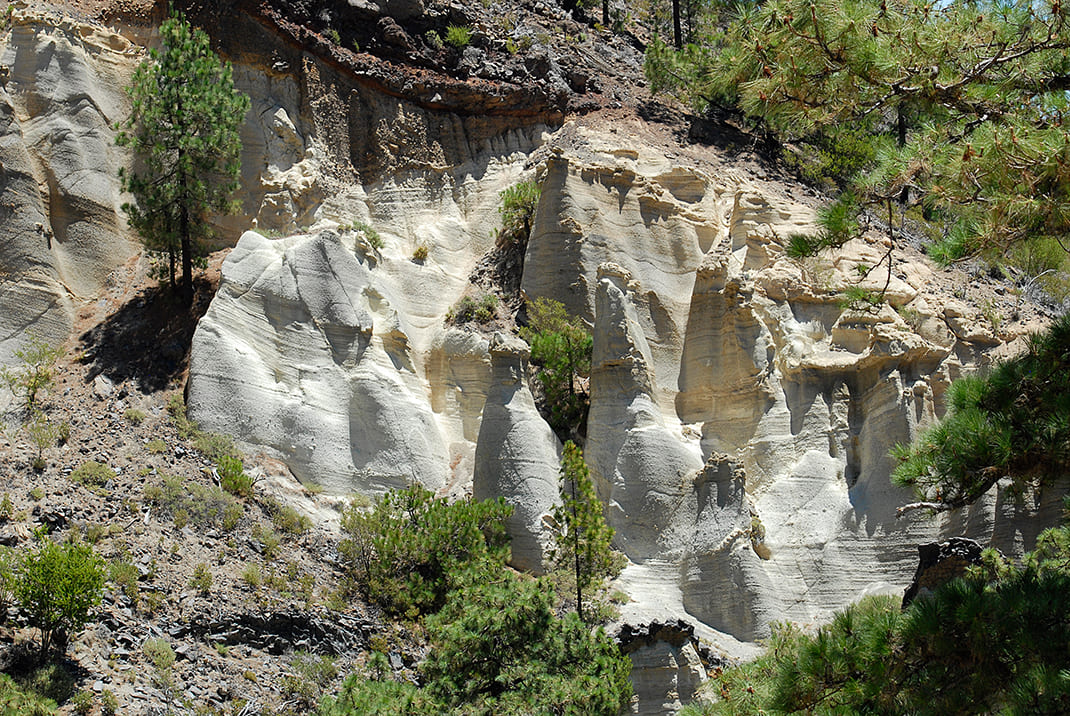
<point>1014,421</point>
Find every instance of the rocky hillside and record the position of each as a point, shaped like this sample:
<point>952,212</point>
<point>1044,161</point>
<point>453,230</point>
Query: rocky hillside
<point>740,416</point>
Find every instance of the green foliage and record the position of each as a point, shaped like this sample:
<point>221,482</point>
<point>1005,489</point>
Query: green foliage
<point>561,353</point>
<point>201,579</point>
<point>517,210</point>
<point>1014,421</point>
<point>17,701</point>
<point>232,477</point>
<point>191,502</point>
<point>125,576</point>
<point>420,253</point>
<point>498,649</point>
<point>412,549</point>
<point>185,130</point>
<point>433,39</point>
<point>458,36</point>
<point>58,585</point>
<point>43,434</point>
<point>134,416</point>
<point>92,474</point>
<point>584,541</point>
<point>33,374</point>
<point>483,309</point>
<point>370,233</point>
<point>309,678</point>
<point>994,642</point>
<point>957,105</point>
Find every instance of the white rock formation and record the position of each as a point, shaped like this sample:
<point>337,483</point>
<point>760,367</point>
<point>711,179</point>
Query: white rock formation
<point>59,187</point>
<point>517,455</point>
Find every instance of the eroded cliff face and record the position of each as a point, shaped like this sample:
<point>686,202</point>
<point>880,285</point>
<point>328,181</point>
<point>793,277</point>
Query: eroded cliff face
<point>740,416</point>
<point>60,94</point>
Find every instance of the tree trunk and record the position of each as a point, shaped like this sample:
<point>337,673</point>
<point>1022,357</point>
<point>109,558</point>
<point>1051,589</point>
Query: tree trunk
<point>677,36</point>
<point>187,259</point>
<point>171,266</point>
<point>605,13</point>
<point>576,554</point>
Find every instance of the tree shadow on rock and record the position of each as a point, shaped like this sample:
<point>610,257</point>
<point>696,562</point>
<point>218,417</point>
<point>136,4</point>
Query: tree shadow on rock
<point>148,339</point>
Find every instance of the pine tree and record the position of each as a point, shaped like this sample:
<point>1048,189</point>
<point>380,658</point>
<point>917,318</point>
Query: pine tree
<point>584,545</point>
<point>561,352</point>
<point>957,106</point>
<point>185,130</point>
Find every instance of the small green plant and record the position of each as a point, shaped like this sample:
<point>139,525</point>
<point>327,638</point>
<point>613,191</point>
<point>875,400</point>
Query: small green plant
<point>125,576</point>
<point>517,210</point>
<point>162,658</point>
<point>333,36</point>
<point>483,309</point>
<point>57,586</point>
<point>370,233</point>
<point>251,575</point>
<point>34,373</point>
<point>82,703</point>
<point>6,508</point>
<point>188,502</point>
<point>202,579</point>
<point>134,416</point>
<point>92,474</point>
<point>434,40</point>
<point>43,435</point>
<point>232,515</point>
<point>268,539</point>
<point>37,494</point>
<point>232,476</point>
<point>310,677</point>
<point>109,703</point>
<point>420,253</point>
<point>289,521</point>
<point>156,446</point>
<point>458,36</point>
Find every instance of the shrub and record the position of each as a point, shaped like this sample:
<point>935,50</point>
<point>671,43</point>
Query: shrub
<point>481,310</point>
<point>420,253</point>
<point>458,36</point>
<point>33,374</point>
<point>188,502</point>
<point>232,476</point>
<point>202,579</point>
<point>517,210</point>
<point>412,549</point>
<point>498,648</point>
<point>17,701</point>
<point>433,39</point>
<point>370,233</point>
<point>156,446</point>
<point>92,474</point>
<point>58,585</point>
<point>134,416</point>
<point>310,677</point>
<point>561,353</point>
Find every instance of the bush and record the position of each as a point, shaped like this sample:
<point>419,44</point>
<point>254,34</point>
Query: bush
<point>36,362</point>
<point>16,701</point>
<point>134,416</point>
<point>517,210</point>
<point>458,36</point>
<point>1014,421</point>
<point>202,579</point>
<point>232,476</point>
<point>58,585</point>
<point>189,502</point>
<point>561,353</point>
<point>481,310</point>
<point>92,474</point>
<point>412,549</point>
<point>497,648</point>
